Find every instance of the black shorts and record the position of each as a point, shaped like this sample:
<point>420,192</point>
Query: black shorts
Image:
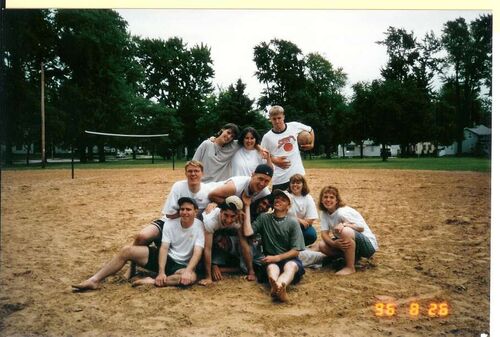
<point>261,270</point>
<point>152,263</point>
<point>159,225</point>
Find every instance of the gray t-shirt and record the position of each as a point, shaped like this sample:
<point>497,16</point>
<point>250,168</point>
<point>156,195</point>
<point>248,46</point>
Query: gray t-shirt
<point>278,235</point>
<point>216,160</point>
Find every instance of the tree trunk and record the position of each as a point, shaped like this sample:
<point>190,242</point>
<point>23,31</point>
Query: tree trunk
<point>361,149</point>
<point>384,153</point>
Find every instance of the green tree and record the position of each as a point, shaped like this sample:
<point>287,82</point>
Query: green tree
<point>179,78</point>
<point>469,53</point>
<point>411,67</point>
<point>325,105</point>
<point>359,116</point>
<point>231,106</point>
<point>95,47</point>
<point>29,42</point>
<point>281,68</point>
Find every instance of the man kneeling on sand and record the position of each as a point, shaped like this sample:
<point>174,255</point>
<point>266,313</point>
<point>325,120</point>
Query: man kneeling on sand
<point>176,260</point>
<point>281,240</point>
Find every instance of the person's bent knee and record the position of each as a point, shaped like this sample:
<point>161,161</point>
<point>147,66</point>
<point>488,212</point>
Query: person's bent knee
<point>271,266</point>
<point>126,251</point>
<point>348,233</point>
<point>291,265</point>
<point>141,239</point>
<point>310,237</point>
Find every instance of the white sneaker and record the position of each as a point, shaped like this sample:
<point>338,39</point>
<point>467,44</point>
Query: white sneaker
<point>311,258</point>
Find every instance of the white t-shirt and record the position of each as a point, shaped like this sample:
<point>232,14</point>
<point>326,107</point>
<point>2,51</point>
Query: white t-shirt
<point>303,207</point>
<point>242,182</point>
<point>181,189</point>
<point>182,240</point>
<point>284,144</point>
<point>245,161</point>
<point>216,160</point>
<point>347,214</point>
<point>212,223</point>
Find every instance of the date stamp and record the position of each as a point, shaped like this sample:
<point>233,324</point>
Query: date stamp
<point>412,309</point>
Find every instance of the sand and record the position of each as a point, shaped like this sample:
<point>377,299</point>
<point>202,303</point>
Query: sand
<point>433,230</point>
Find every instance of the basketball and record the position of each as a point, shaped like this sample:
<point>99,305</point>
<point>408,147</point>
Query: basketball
<point>304,138</point>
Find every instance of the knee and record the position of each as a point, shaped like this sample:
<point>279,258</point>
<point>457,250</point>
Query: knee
<point>348,233</point>
<point>141,239</point>
<point>291,266</point>
<point>126,251</point>
<point>271,267</point>
<point>310,236</point>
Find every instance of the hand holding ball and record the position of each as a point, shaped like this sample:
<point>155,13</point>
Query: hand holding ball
<point>304,138</point>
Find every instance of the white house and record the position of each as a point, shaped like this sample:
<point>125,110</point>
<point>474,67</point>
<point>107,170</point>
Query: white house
<point>477,140</point>
<point>370,149</point>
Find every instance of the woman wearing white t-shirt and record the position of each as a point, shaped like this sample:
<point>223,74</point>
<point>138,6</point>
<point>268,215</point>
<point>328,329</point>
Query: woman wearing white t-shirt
<point>303,207</point>
<point>246,159</point>
<point>352,237</point>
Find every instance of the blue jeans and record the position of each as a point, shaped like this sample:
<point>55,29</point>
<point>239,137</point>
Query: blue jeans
<point>310,235</point>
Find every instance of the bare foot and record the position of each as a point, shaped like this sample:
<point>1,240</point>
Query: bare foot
<point>143,281</point>
<point>85,285</point>
<point>274,286</point>
<point>250,277</point>
<point>282,292</point>
<point>346,271</point>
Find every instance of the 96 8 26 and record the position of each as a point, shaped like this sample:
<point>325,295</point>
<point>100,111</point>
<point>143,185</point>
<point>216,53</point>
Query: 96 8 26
<point>413,309</point>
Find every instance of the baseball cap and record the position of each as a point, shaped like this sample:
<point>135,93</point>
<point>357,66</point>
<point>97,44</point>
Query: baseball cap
<point>287,195</point>
<point>264,169</point>
<point>232,202</point>
<point>189,200</point>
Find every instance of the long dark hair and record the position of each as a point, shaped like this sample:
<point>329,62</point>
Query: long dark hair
<point>251,130</point>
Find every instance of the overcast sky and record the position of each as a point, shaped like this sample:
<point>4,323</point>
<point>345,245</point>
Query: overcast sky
<point>347,38</point>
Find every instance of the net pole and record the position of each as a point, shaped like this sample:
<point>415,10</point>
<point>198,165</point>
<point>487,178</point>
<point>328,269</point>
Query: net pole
<point>173,159</point>
<point>72,162</point>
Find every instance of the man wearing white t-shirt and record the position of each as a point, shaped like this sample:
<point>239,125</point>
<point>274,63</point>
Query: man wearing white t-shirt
<point>192,187</point>
<point>281,142</point>
<point>176,259</point>
<point>254,186</point>
<point>224,218</point>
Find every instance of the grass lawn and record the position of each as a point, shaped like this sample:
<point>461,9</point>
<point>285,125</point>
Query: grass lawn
<point>443,164</point>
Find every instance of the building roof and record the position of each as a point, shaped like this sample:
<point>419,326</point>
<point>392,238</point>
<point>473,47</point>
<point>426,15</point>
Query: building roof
<point>480,130</point>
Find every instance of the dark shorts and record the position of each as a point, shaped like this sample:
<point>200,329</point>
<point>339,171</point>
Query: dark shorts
<point>261,270</point>
<point>152,263</point>
<point>159,225</point>
<point>364,247</point>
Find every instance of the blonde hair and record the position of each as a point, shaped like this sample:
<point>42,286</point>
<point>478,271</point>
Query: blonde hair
<point>195,163</point>
<point>276,110</point>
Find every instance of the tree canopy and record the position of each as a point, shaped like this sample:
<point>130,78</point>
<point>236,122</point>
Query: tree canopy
<point>99,77</point>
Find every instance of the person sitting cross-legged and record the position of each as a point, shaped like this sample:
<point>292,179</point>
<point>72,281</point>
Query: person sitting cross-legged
<point>281,241</point>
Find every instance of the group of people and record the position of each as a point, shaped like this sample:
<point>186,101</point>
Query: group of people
<point>224,218</point>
